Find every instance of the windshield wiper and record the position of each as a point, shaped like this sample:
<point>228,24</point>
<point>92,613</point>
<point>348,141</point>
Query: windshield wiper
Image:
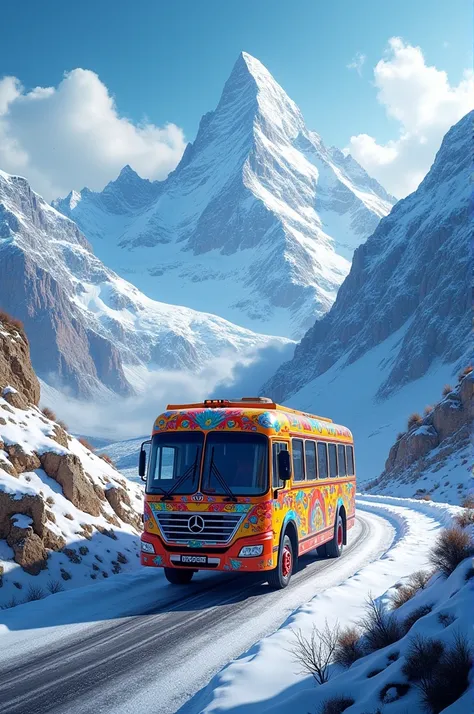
<point>167,495</point>
<point>214,470</point>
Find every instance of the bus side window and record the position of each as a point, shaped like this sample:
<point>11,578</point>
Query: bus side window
<point>298,462</point>
<point>322,460</point>
<point>277,447</point>
<point>341,460</point>
<point>310,458</point>
<point>332,460</point>
<point>350,460</point>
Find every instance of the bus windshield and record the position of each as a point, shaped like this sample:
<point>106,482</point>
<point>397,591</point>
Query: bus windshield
<point>172,457</point>
<point>238,460</point>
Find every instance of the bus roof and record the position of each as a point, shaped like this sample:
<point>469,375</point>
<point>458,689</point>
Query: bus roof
<point>256,414</point>
<point>247,402</point>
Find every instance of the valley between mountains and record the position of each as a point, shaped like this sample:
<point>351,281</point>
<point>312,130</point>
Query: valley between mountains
<point>265,263</point>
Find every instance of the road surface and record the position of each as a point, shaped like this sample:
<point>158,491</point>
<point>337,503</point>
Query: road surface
<point>156,660</point>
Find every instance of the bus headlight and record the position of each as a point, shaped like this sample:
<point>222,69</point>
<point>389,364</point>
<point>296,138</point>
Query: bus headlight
<point>147,547</point>
<point>251,551</point>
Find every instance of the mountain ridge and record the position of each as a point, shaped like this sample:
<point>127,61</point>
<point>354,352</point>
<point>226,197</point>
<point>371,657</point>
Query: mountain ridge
<point>91,332</point>
<point>258,212</point>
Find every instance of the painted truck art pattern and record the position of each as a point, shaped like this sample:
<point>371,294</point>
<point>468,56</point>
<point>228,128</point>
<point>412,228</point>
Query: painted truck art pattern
<point>274,422</point>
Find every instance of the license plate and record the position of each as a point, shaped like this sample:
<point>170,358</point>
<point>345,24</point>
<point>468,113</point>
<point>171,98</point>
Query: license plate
<point>194,559</point>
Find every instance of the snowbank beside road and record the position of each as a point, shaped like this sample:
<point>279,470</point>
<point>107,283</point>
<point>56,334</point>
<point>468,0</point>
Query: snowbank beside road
<point>266,679</point>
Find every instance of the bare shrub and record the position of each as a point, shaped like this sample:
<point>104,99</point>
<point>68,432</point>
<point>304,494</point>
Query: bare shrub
<point>447,389</point>
<point>107,459</point>
<point>85,444</point>
<point>348,648</point>
<point>13,602</point>
<point>465,518</point>
<point>49,414</point>
<point>12,321</point>
<point>315,654</point>
<point>62,424</point>
<point>414,419</point>
<point>416,615</point>
<point>380,627</point>
<point>451,548</point>
<point>426,497</point>
<point>428,409</point>
<point>467,370</point>
<point>402,595</point>
<point>34,593</point>
<point>468,501</point>
<point>336,705</point>
<point>449,678</point>
<point>54,586</point>
<point>50,501</point>
<point>419,579</point>
<point>446,618</point>
<point>422,657</point>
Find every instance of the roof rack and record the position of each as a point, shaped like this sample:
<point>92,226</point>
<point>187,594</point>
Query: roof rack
<point>264,402</point>
<point>245,400</point>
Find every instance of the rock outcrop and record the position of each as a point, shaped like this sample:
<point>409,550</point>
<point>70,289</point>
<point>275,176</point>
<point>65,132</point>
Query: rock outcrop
<point>19,384</point>
<point>444,431</point>
<point>28,547</point>
<point>67,470</point>
<point>51,486</point>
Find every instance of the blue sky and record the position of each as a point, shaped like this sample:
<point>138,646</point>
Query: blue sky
<point>167,62</point>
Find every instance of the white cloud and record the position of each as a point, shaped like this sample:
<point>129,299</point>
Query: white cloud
<point>72,135</point>
<point>357,62</point>
<point>225,377</point>
<point>425,105</point>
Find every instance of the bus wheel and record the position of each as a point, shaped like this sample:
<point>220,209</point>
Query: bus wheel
<point>279,577</point>
<point>335,546</point>
<point>178,577</point>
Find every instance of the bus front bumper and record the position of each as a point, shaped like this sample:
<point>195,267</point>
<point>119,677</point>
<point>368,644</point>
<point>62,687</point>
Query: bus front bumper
<point>211,558</point>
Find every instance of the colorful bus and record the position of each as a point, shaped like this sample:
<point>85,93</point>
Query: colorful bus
<point>244,486</point>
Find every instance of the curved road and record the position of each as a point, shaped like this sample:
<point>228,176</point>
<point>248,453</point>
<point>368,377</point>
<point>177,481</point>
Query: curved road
<point>155,661</point>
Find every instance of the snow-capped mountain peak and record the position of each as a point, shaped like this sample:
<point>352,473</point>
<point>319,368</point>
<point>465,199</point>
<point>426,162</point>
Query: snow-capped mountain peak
<point>89,329</point>
<point>258,222</point>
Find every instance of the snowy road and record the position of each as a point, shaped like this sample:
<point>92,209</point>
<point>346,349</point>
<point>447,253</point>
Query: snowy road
<point>161,656</point>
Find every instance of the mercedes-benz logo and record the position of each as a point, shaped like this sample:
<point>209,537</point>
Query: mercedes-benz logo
<point>196,524</point>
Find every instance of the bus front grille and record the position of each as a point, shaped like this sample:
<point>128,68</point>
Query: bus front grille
<point>180,526</point>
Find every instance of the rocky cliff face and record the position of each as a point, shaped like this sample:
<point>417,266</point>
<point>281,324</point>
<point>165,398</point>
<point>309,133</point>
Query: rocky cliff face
<point>65,513</point>
<point>411,277</point>
<point>258,222</point>
<point>19,385</point>
<point>432,458</point>
<point>91,332</point>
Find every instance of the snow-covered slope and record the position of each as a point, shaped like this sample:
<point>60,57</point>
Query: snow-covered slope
<point>88,328</point>
<point>400,325</point>
<point>272,677</point>
<point>67,517</point>
<point>257,223</point>
<point>432,459</point>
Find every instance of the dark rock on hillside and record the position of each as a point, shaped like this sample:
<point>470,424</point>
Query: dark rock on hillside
<point>411,277</point>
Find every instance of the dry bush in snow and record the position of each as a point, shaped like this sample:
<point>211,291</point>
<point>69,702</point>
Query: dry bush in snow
<point>451,548</point>
<point>315,654</point>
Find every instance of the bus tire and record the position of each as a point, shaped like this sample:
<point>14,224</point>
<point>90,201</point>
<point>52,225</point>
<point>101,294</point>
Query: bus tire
<point>279,577</point>
<point>178,577</point>
<point>335,546</point>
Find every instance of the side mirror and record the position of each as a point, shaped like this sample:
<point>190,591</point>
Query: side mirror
<point>142,461</point>
<point>284,465</point>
